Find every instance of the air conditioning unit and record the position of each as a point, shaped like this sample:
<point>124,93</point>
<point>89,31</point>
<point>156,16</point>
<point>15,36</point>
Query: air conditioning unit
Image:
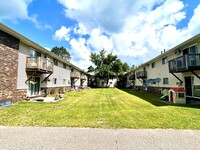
<point>179,83</point>
<point>177,51</point>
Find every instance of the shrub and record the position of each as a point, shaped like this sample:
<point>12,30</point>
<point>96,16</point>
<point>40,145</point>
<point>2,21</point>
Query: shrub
<point>61,90</point>
<point>52,91</point>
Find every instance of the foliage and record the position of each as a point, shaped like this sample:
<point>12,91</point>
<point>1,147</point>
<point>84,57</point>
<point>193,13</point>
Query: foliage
<point>90,69</point>
<point>125,67</point>
<point>61,52</point>
<point>107,66</point>
<point>104,108</point>
<point>133,66</point>
<point>61,90</point>
<point>52,91</point>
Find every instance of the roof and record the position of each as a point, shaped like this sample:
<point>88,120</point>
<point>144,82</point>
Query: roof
<point>177,89</point>
<point>189,41</point>
<point>32,44</point>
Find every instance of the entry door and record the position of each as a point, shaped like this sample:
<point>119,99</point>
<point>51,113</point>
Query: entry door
<point>72,83</point>
<point>188,86</point>
<point>34,86</point>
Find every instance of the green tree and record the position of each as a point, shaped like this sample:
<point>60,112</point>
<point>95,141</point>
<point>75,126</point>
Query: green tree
<point>125,67</point>
<point>133,66</point>
<point>61,52</point>
<point>90,69</point>
<point>107,66</point>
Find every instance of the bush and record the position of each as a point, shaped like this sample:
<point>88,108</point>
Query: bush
<point>52,91</point>
<point>61,90</point>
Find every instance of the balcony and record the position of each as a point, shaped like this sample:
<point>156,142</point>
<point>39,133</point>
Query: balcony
<point>83,77</point>
<point>189,62</point>
<point>141,74</point>
<point>39,64</point>
<point>75,74</point>
<point>132,77</point>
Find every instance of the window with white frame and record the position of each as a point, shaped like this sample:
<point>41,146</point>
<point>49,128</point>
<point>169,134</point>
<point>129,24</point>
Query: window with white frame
<point>165,80</point>
<point>55,61</point>
<point>153,65</point>
<point>164,60</point>
<point>34,53</point>
<point>64,66</point>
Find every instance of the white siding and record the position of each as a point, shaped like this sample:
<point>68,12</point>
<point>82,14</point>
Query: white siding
<point>162,71</point>
<point>113,82</point>
<point>21,76</point>
<point>59,73</point>
<point>78,81</point>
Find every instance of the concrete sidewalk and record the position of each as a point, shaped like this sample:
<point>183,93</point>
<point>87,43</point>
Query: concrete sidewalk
<point>47,138</point>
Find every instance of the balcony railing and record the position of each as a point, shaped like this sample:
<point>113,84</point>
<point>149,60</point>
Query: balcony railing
<point>83,77</point>
<point>39,64</point>
<point>184,63</point>
<point>141,74</point>
<point>132,77</point>
<point>75,74</point>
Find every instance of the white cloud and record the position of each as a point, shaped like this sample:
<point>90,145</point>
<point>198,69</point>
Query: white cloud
<point>80,29</point>
<point>62,34</point>
<point>194,24</point>
<point>80,53</point>
<point>138,30</point>
<point>14,10</point>
<point>97,41</point>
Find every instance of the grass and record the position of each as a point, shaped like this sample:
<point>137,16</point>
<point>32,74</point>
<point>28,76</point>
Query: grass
<point>103,108</point>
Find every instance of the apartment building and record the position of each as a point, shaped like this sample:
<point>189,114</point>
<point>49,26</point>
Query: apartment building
<point>27,68</point>
<point>178,67</point>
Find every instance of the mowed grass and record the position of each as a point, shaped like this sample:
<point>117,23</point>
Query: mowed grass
<point>103,108</point>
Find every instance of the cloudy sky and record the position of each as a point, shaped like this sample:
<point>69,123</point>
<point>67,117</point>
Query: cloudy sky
<point>135,30</point>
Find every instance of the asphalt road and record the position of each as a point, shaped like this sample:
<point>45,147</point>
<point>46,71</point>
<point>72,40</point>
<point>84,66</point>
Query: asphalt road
<point>47,138</point>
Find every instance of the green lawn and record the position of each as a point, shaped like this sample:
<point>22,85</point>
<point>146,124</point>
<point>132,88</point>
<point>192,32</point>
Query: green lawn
<point>106,108</point>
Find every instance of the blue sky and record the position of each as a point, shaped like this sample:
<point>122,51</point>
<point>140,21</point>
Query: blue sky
<point>134,30</point>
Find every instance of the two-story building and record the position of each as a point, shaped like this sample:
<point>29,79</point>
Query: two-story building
<point>28,68</point>
<point>178,67</point>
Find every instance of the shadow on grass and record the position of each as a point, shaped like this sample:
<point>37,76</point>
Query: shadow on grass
<point>154,99</point>
<point>147,96</point>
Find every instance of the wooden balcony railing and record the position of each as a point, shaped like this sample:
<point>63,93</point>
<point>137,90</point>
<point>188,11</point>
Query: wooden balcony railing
<point>141,74</point>
<point>185,63</point>
<point>75,74</point>
<point>39,64</point>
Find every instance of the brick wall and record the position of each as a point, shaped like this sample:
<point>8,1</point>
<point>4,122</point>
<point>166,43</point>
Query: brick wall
<point>9,47</point>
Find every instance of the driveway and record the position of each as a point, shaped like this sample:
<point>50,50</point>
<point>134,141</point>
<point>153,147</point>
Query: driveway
<point>47,138</point>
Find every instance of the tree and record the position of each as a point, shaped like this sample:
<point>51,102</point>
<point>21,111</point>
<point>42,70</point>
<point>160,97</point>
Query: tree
<point>61,52</point>
<point>107,66</point>
<point>125,67</point>
<point>90,69</point>
<point>133,66</point>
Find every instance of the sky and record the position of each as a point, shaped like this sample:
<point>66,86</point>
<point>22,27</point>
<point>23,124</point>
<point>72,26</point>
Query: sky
<point>134,30</point>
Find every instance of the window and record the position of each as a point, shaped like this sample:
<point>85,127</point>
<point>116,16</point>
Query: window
<point>54,80</point>
<point>196,91</point>
<point>164,60</point>
<point>34,53</point>
<point>64,81</point>
<point>181,95</point>
<point>165,81</point>
<point>153,65</point>
<point>64,66</point>
<point>55,62</point>
<point>192,50</point>
<point>72,69</point>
